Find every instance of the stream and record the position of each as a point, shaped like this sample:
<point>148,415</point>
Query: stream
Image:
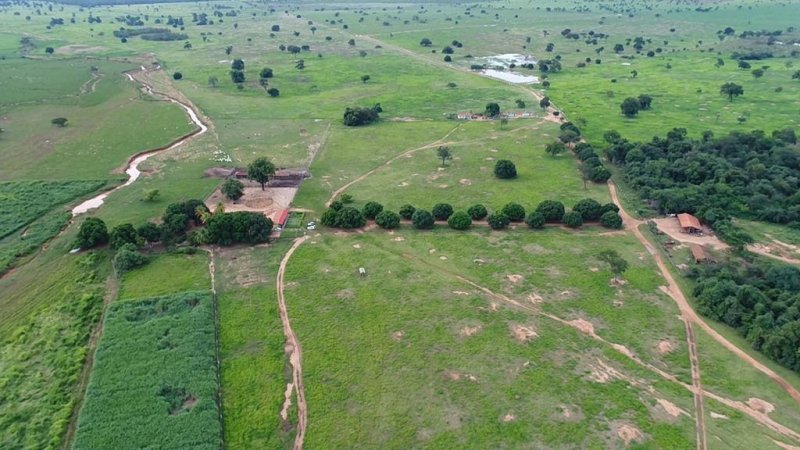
<point>133,164</point>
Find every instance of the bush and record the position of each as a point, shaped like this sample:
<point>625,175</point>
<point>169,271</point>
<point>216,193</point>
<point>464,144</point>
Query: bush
<point>442,211</point>
<point>498,220</point>
<point>191,208</point>
<point>505,169</point>
<point>459,221</point>
<point>93,232</point>
<point>357,116</point>
<point>328,218</point>
<point>535,220</point>
<point>371,210</point>
<point>127,258</point>
<point>477,212</point>
<point>122,235</point>
<point>609,207</point>
<point>552,210</point>
<point>611,219</point>
<point>150,232</point>
<point>388,219</point>
<point>336,205</point>
<point>600,174</point>
<point>514,211</point>
<point>233,189</point>
<point>589,209</point>
<point>572,219</point>
<point>422,220</point>
<point>406,211</point>
<point>349,217</point>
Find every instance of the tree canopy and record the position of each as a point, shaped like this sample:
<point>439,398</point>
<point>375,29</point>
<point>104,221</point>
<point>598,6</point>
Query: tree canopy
<point>260,171</point>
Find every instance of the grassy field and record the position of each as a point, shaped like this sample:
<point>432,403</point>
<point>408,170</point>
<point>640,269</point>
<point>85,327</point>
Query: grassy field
<point>41,356</point>
<point>187,272</point>
<point>154,382</point>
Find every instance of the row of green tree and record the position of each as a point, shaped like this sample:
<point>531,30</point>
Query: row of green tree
<point>184,221</point>
<point>760,299</point>
<point>339,215</point>
<point>749,175</point>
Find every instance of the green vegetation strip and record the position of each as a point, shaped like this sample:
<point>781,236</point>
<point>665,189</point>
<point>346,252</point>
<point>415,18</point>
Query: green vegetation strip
<point>154,383</point>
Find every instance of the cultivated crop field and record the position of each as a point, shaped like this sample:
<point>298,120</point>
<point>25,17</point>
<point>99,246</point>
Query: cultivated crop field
<point>154,382</point>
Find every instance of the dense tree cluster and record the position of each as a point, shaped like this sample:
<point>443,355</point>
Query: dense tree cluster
<point>749,175</point>
<point>358,116</point>
<point>760,300</point>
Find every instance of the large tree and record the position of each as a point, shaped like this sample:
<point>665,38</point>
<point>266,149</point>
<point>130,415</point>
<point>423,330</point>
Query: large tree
<point>443,152</point>
<point>260,171</point>
<point>630,107</point>
<point>505,169</point>
<point>731,90</point>
<point>492,110</point>
<point>233,189</point>
<point>617,264</point>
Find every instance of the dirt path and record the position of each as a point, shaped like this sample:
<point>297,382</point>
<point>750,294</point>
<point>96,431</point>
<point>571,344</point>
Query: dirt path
<point>433,144</point>
<point>132,167</point>
<point>674,291</point>
<point>763,250</point>
<point>112,287</point>
<point>758,416</point>
<point>295,353</point>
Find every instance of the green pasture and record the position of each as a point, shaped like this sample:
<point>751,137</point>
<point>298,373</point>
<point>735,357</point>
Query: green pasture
<point>166,274</point>
<point>154,382</point>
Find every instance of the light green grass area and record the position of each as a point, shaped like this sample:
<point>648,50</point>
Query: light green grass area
<point>411,337</point>
<point>19,245</point>
<point>252,353</point>
<point>154,381</point>
<point>420,179</point>
<point>167,273</point>
<point>41,356</point>
<point>768,232</point>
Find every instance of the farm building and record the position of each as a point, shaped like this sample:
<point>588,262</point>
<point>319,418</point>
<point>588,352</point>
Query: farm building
<point>699,254</point>
<point>279,219</point>
<point>689,223</point>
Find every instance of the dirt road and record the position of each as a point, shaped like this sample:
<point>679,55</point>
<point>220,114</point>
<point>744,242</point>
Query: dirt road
<point>295,352</point>
<point>674,291</point>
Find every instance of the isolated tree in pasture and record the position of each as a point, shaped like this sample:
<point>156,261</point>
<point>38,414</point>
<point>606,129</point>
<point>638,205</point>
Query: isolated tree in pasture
<point>371,210</point>
<point>233,189</point>
<point>619,48</point>
<point>276,28</point>
<point>260,171</point>
<point>744,65</point>
<point>732,90</point>
<point>365,78</point>
<point>645,101</point>
<point>422,220</point>
<point>615,262</point>
<point>93,232</point>
<point>265,73</point>
<point>387,220</point>
<point>177,76</point>
<point>505,169</point>
<point>630,107</point>
<point>555,148</point>
<point>187,45</point>
<point>492,110</point>
<point>757,73</point>
<point>49,50</point>
<point>425,42</point>
<point>351,42</point>
<point>460,220</point>
<point>228,49</point>
<point>213,81</point>
<point>60,121</point>
<point>444,153</point>
<point>544,103</point>
<point>520,103</point>
<point>273,92</point>
<point>477,212</point>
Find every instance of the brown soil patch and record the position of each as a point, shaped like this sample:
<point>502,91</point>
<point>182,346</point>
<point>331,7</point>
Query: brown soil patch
<point>403,184</point>
<point>464,182</point>
<point>345,294</point>
<point>398,335</point>
<point>670,408</point>
<point>666,346</point>
<point>443,186</point>
<point>452,375</point>
<point>594,269</point>
<point>399,239</point>
<point>569,413</point>
<point>627,432</point>
<point>760,405</point>
<point>535,298</point>
<point>670,227</point>
<point>514,278</point>
<point>601,372</point>
<point>270,201</point>
<point>509,417</point>
<point>718,416</point>
<point>785,446</point>
<point>523,333</point>
<point>582,325</point>
<point>356,246</point>
<point>460,293</point>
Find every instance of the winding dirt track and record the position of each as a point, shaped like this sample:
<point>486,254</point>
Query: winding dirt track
<point>675,292</point>
<point>294,350</point>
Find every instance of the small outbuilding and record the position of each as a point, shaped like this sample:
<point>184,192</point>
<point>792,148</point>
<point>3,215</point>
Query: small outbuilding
<point>699,254</point>
<point>689,223</point>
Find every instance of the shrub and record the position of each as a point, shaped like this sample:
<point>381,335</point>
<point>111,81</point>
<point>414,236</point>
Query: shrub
<point>233,189</point>
<point>93,232</point>
<point>422,220</point>
<point>328,218</point>
<point>459,221</point>
<point>535,220</point>
<point>388,219</point>
<point>611,219</point>
<point>442,211</point>
<point>336,205</point>
<point>406,211</point>
<point>127,258</point>
<point>505,169</point>
<point>572,219</point>
<point>123,234</point>
<point>357,116</point>
<point>349,217</point>
<point>498,220</point>
<point>150,232</point>
<point>371,210</point>
<point>589,209</point>
<point>600,174</point>
<point>552,210</point>
<point>477,212</point>
<point>609,207</point>
<point>514,211</point>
